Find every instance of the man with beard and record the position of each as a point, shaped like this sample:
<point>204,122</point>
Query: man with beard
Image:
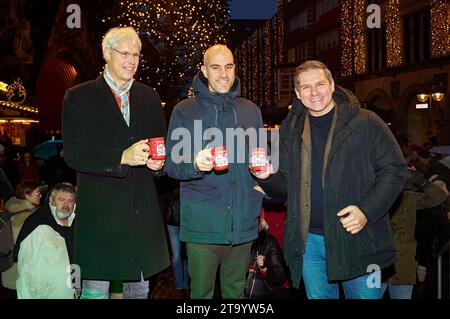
<point>44,248</point>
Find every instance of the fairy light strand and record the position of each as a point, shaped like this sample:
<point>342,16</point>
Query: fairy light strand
<point>440,36</point>
<point>393,34</point>
<point>175,34</point>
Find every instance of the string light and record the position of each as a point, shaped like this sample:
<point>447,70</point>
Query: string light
<point>360,36</point>
<point>280,32</point>
<point>393,34</point>
<point>244,68</point>
<point>175,34</point>
<point>440,42</point>
<point>262,52</point>
<point>255,67</point>
<point>346,38</point>
<point>268,89</point>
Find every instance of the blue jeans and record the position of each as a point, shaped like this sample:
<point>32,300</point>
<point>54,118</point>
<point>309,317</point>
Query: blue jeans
<point>96,289</point>
<point>316,280</point>
<point>397,291</point>
<point>179,264</point>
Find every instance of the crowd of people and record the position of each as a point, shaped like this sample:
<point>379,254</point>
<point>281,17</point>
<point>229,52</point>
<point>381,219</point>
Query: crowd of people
<point>352,193</point>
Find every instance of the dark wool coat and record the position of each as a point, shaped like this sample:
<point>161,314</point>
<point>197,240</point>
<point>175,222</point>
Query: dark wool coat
<point>119,229</point>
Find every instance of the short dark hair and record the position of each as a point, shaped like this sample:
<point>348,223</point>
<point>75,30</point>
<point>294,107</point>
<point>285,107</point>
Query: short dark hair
<point>311,65</point>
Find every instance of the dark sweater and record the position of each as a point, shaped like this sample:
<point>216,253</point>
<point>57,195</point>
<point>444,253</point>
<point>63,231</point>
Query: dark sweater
<point>320,127</point>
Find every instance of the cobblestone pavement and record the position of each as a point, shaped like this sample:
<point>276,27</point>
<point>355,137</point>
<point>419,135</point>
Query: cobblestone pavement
<point>164,287</point>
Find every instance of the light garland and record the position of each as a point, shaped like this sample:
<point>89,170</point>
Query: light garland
<point>360,36</point>
<point>175,34</point>
<point>346,38</point>
<point>255,68</point>
<point>256,61</point>
<point>244,69</point>
<point>440,42</point>
<point>280,33</point>
<point>17,106</point>
<point>393,34</point>
<point>268,65</point>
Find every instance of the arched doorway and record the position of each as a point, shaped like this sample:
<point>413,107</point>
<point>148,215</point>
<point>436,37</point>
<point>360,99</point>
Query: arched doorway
<point>379,102</point>
<point>419,125</point>
<point>58,74</point>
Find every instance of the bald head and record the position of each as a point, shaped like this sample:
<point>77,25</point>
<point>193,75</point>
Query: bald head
<point>214,50</point>
<point>219,68</point>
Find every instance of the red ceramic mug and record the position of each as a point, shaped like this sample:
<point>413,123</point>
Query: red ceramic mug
<point>219,158</point>
<point>157,148</point>
<point>258,160</point>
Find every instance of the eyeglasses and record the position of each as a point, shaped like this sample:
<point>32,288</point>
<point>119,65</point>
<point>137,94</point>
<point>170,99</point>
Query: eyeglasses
<point>128,54</point>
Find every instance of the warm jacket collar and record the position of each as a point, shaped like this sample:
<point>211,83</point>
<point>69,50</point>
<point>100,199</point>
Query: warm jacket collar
<point>200,86</point>
<point>220,102</point>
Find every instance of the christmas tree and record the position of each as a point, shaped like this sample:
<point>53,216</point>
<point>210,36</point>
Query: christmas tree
<point>174,34</point>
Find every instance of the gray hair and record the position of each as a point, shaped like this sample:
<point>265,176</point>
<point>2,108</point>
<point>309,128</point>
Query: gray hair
<point>311,65</point>
<point>65,188</point>
<point>114,35</point>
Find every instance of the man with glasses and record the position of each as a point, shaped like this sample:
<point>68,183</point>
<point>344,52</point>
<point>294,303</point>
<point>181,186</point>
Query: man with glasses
<point>106,124</point>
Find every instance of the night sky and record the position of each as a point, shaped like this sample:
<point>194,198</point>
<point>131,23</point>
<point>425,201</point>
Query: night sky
<point>253,9</point>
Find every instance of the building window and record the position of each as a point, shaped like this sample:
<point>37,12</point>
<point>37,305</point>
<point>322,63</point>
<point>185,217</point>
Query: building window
<point>325,6</point>
<point>299,22</point>
<point>416,36</point>
<point>327,40</point>
<point>291,55</point>
<point>285,86</point>
<point>300,52</point>
<point>377,49</point>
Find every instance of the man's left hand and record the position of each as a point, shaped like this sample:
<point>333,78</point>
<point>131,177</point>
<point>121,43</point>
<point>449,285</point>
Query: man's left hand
<point>155,165</point>
<point>355,219</point>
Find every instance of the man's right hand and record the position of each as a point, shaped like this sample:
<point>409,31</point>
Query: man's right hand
<point>136,154</point>
<point>203,161</point>
<point>263,174</point>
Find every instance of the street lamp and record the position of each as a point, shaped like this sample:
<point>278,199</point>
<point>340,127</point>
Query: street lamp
<point>426,100</point>
<point>437,96</point>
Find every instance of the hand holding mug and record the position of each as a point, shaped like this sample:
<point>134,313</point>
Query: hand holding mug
<point>136,154</point>
<point>203,160</point>
<point>155,164</point>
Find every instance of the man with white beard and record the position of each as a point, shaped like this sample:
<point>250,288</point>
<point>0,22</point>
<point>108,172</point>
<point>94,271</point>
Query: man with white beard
<point>44,248</point>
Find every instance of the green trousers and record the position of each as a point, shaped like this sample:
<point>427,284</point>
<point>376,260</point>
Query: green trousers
<point>203,262</point>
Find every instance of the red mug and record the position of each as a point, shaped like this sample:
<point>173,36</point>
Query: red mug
<point>219,158</point>
<point>258,160</point>
<point>157,148</point>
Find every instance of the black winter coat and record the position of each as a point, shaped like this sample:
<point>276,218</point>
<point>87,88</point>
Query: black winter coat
<point>119,230</point>
<point>364,167</point>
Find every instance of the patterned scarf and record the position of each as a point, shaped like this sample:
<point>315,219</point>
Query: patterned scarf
<point>122,94</point>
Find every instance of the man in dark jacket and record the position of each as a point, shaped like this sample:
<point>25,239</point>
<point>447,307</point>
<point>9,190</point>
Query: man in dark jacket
<point>219,210</point>
<point>342,169</point>
<point>119,232</point>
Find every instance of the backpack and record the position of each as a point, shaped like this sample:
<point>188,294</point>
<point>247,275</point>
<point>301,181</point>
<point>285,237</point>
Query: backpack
<point>7,239</point>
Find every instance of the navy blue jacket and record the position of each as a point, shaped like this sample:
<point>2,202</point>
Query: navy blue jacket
<point>216,207</point>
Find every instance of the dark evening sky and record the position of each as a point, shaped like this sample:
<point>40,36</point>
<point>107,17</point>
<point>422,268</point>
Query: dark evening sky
<point>253,9</point>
